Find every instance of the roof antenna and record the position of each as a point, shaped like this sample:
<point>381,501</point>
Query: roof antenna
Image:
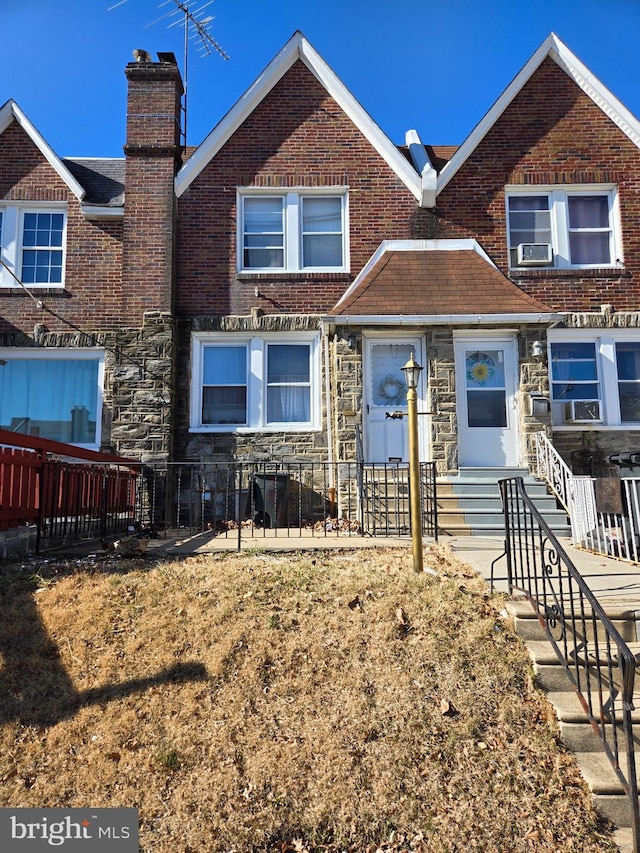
<point>196,28</point>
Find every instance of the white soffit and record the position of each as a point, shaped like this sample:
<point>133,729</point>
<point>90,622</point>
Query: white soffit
<point>10,112</point>
<point>556,50</point>
<point>297,48</point>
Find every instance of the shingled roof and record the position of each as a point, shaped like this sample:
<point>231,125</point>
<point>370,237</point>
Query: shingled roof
<point>102,179</point>
<point>418,278</point>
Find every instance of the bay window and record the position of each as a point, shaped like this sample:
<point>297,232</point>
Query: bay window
<point>563,227</point>
<point>292,231</point>
<point>54,394</point>
<point>247,383</point>
<point>32,243</point>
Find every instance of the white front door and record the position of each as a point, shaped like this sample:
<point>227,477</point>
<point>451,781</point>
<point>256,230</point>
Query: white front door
<point>386,438</point>
<point>486,382</point>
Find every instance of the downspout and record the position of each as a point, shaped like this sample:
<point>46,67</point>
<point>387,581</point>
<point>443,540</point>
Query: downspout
<point>327,393</point>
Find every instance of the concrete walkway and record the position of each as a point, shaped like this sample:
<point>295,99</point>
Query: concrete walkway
<point>612,581</point>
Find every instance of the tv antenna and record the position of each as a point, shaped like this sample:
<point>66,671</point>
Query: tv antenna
<point>196,23</point>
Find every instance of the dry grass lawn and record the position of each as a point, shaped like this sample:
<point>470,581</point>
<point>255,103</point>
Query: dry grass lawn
<point>325,701</point>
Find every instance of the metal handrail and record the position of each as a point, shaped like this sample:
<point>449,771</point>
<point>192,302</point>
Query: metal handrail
<point>592,652</point>
<point>552,468</point>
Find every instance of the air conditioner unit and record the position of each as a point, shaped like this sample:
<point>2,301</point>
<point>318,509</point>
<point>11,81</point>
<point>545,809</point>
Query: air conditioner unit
<point>582,411</point>
<point>534,254</point>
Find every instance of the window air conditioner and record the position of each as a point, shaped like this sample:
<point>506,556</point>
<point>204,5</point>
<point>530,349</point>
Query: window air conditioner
<point>581,411</point>
<point>534,254</point>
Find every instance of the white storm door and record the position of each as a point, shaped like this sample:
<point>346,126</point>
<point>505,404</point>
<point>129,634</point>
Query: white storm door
<point>486,381</point>
<point>386,438</point>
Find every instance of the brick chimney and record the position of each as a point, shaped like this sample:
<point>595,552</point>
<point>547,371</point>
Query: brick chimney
<point>153,149</point>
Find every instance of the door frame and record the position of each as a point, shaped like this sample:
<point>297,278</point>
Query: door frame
<point>503,338</point>
<point>370,338</point>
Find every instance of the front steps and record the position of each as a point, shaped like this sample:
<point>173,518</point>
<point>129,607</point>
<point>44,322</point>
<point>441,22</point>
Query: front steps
<point>469,503</point>
<point>575,729</point>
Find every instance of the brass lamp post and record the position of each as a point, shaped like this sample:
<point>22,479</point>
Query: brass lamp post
<point>411,372</point>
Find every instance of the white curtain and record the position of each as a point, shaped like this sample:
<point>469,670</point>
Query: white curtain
<point>54,398</point>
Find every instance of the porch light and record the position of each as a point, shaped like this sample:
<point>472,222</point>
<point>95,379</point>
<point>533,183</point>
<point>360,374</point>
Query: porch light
<point>537,351</point>
<point>411,372</point>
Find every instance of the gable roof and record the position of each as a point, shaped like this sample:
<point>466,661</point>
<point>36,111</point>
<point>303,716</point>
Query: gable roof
<point>297,48</point>
<point>442,280</point>
<point>556,50</point>
<point>10,112</point>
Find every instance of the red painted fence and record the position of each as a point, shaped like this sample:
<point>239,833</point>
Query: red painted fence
<point>65,498</point>
<point>19,486</point>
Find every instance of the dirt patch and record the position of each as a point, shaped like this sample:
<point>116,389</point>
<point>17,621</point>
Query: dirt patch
<point>257,702</point>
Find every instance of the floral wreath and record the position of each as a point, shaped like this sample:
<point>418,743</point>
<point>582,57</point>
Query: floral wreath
<point>482,368</point>
<point>391,389</point>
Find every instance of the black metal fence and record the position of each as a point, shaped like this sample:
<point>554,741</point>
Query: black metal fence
<point>239,500</point>
<point>595,657</point>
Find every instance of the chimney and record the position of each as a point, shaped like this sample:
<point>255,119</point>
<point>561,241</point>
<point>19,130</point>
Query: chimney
<point>153,156</point>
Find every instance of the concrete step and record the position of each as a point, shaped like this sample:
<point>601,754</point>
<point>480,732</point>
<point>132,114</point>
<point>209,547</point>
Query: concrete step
<point>576,730</point>
<point>528,626</point>
<point>469,503</point>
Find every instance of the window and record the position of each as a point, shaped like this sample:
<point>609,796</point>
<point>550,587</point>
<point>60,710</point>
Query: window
<point>628,367</point>
<point>292,231</point>
<point>563,227</point>
<point>52,394</point>
<point>32,242</point>
<point>595,378</point>
<point>253,383</point>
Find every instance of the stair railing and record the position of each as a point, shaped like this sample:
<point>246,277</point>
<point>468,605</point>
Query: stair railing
<point>550,466</point>
<point>592,652</point>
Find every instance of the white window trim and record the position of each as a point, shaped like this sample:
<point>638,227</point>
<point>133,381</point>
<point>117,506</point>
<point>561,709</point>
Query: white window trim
<point>62,354</point>
<point>256,381</point>
<point>559,216</point>
<point>605,344</point>
<point>11,241</point>
<point>292,226</point>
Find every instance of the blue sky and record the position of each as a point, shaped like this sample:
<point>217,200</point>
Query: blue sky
<point>433,65</point>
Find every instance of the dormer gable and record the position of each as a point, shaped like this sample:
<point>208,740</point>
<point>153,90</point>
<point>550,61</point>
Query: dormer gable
<point>298,49</point>
<point>554,49</point>
<point>11,112</point>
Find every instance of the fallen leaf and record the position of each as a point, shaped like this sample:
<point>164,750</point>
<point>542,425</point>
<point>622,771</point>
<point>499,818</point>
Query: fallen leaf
<point>354,604</point>
<point>401,616</point>
<point>448,709</point>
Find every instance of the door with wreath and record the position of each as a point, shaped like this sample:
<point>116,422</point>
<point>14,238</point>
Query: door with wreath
<point>385,393</point>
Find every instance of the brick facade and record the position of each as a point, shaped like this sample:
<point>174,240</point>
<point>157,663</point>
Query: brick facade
<point>93,281</point>
<point>297,137</point>
<point>551,133</point>
<point>140,286</point>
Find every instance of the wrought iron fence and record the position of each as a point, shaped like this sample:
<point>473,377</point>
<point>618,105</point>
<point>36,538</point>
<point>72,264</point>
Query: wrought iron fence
<point>239,500</point>
<point>594,655</point>
<point>84,501</point>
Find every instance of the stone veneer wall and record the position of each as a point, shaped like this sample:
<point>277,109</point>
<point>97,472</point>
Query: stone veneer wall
<point>599,441</point>
<point>346,396</point>
<point>253,446</point>
<point>138,382</point>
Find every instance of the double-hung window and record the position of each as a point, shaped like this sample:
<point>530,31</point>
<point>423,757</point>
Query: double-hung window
<point>52,393</point>
<point>563,227</point>
<point>247,383</point>
<point>595,378</point>
<point>292,231</point>
<point>32,243</point>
